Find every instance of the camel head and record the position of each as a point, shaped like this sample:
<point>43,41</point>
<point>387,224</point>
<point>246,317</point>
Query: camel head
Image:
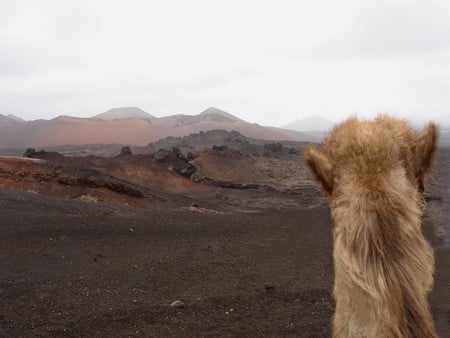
<point>369,148</point>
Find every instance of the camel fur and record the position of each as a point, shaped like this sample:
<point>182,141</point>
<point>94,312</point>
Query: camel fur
<point>373,174</point>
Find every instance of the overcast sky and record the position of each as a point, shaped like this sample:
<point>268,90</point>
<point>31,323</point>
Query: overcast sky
<point>270,62</point>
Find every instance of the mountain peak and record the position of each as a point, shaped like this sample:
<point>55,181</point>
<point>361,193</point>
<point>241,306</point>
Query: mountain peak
<point>15,118</point>
<point>219,112</point>
<point>123,113</point>
<point>8,120</point>
<point>12,117</point>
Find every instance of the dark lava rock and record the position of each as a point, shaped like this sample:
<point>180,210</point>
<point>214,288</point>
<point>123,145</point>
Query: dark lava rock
<point>45,155</point>
<point>219,148</point>
<point>176,161</point>
<point>125,151</point>
<point>269,286</point>
<point>29,152</point>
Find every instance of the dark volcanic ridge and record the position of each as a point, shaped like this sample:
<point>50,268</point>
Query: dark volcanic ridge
<point>217,168</point>
<point>205,140</point>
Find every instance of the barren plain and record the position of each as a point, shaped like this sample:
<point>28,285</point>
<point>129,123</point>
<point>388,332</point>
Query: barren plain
<point>95,246</point>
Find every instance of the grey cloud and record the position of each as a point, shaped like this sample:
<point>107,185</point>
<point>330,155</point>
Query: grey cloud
<point>15,62</point>
<point>74,22</point>
<point>25,58</point>
<point>35,39</point>
<point>397,28</point>
<point>24,61</point>
<point>10,11</point>
<point>381,29</point>
<point>65,56</point>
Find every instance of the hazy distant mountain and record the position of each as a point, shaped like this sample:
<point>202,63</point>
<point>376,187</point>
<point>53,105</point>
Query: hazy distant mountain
<point>311,123</point>
<point>123,113</point>
<point>443,121</point>
<point>10,119</point>
<point>217,119</point>
<point>66,130</point>
<point>15,118</point>
<point>205,120</point>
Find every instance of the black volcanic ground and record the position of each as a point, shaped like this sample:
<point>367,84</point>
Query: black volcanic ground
<point>101,246</point>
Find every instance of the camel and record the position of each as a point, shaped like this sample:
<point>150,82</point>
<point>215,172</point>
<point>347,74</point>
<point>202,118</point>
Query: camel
<point>372,172</point>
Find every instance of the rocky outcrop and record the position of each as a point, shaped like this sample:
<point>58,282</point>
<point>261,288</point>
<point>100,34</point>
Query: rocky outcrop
<point>175,161</point>
<point>201,141</point>
<point>45,155</point>
<point>125,151</point>
<point>51,177</point>
<point>230,185</point>
<point>278,150</point>
<point>108,183</point>
<point>218,139</point>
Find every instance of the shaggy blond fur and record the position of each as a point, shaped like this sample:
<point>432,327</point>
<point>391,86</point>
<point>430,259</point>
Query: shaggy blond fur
<point>373,173</point>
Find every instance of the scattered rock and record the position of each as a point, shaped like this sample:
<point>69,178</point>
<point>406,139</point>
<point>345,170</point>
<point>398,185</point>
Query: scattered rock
<point>219,148</point>
<point>274,147</point>
<point>29,152</point>
<point>178,304</point>
<point>269,286</point>
<point>174,160</point>
<point>202,210</point>
<point>125,151</point>
<point>212,248</point>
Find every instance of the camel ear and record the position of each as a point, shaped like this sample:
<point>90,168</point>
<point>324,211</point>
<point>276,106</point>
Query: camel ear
<point>320,166</point>
<point>426,149</point>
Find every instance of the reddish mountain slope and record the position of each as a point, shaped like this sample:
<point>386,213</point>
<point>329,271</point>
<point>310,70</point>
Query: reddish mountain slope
<point>8,120</point>
<point>66,130</point>
<point>69,130</point>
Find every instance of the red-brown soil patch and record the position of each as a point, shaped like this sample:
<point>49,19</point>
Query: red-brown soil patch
<point>55,179</point>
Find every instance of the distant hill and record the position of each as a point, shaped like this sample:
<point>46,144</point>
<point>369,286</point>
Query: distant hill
<point>15,118</point>
<point>107,128</point>
<point>210,116</point>
<point>124,113</point>
<point>444,121</point>
<point>311,123</point>
<point>65,130</point>
<point>10,119</point>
